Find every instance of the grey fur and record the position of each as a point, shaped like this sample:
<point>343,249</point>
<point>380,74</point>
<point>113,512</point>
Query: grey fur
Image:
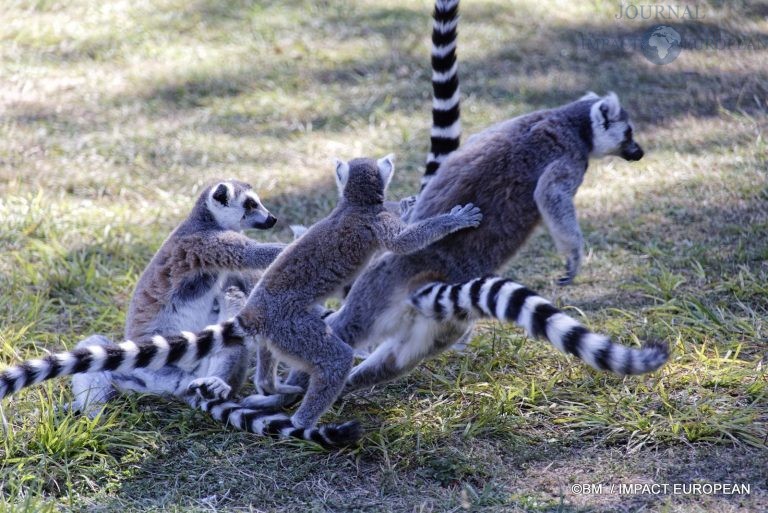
<point>517,172</point>
<point>328,256</point>
<point>187,286</point>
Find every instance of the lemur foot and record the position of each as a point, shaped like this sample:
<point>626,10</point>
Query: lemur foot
<point>571,268</point>
<point>210,387</point>
<point>260,401</point>
<point>277,387</point>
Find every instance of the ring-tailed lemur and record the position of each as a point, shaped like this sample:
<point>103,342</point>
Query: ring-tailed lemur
<point>182,287</point>
<point>194,271</point>
<point>519,172</point>
<point>280,308</point>
<point>327,257</point>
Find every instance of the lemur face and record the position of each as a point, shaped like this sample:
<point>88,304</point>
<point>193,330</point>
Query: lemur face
<point>612,130</point>
<point>235,206</point>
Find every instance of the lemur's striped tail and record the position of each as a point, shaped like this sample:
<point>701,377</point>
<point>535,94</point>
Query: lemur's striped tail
<point>183,350</point>
<point>279,425</point>
<point>509,301</point>
<point>446,127</point>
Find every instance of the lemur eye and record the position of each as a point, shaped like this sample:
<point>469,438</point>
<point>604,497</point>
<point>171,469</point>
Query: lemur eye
<point>250,204</point>
<point>628,134</point>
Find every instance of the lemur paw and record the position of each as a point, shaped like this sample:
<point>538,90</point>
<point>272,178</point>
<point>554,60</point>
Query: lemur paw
<point>298,230</point>
<point>468,216</point>
<point>210,387</point>
<point>406,204</point>
<point>271,388</point>
<point>571,269</point>
<point>260,401</point>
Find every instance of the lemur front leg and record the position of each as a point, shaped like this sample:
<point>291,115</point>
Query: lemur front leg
<point>401,238</point>
<point>222,251</point>
<point>554,198</point>
<point>265,378</point>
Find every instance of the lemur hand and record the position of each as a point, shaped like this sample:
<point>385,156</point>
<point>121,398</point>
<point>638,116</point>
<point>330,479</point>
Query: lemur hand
<point>467,216</point>
<point>406,204</point>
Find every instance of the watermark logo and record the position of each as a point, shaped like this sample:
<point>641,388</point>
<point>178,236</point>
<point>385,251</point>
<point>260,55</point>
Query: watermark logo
<point>634,11</point>
<point>661,44</point>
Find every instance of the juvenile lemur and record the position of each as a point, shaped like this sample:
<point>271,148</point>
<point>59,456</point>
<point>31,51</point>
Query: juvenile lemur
<point>186,286</point>
<point>518,172</point>
<point>281,308</point>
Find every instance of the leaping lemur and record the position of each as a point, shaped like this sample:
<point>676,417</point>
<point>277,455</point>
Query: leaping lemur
<point>518,172</point>
<point>281,308</point>
<point>187,286</point>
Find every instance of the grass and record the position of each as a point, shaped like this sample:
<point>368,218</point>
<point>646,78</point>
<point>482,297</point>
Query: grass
<point>115,114</point>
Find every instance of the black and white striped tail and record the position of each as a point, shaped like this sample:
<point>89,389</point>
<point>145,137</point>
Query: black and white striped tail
<point>510,301</point>
<point>183,350</point>
<point>446,127</point>
<point>279,425</point>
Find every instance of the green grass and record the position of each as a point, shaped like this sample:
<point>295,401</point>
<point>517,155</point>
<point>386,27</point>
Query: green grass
<point>115,114</point>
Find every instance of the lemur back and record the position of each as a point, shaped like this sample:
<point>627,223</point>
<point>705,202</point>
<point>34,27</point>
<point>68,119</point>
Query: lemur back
<point>280,308</point>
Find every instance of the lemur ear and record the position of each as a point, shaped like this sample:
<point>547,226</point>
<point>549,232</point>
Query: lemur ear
<point>342,173</point>
<point>220,194</point>
<point>591,95</point>
<point>386,167</point>
<point>606,110</point>
<point>611,105</point>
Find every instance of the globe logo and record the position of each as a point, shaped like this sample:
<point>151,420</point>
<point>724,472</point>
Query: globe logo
<point>662,44</point>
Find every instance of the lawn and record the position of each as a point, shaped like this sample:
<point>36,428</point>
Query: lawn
<point>114,115</point>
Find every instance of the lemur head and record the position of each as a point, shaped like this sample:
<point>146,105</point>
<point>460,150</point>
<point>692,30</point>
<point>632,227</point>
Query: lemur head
<point>612,129</point>
<point>235,206</point>
<point>364,181</point>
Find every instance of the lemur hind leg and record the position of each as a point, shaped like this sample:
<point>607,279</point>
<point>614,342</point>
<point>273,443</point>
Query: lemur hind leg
<point>423,338</point>
<point>267,382</point>
<point>306,342</point>
<point>92,390</point>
